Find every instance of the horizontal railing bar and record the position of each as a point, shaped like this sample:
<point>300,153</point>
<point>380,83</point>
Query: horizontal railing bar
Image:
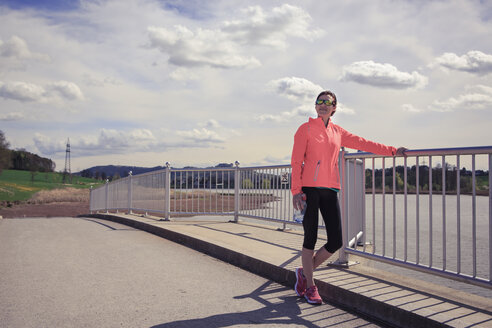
<point>285,166</point>
<point>268,219</point>
<point>162,211</point>
<point>156,172</point>
<point>203,213</point>
<point>430,152</point>
<point>250,216</point>
<point>219,169</point>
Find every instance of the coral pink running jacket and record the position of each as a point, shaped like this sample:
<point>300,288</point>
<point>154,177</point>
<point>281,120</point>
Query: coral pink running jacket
<point>315,153</point>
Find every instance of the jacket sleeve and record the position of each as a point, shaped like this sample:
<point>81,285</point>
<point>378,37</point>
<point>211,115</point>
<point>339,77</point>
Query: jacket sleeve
<point>355,142</point>
<point>297,159</point>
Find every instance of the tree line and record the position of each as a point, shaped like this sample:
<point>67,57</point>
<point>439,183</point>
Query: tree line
<point>450,179</point>
<point>99,175</point>
<point>21,159</point>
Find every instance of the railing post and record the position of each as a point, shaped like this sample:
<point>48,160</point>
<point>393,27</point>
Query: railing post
<point>236,192</point>
<point>107,196</point>
<point>90,200</point>
<point>342,255</point>
<point>167,192</point>
<point>130,193</point>
<point>490,217</point>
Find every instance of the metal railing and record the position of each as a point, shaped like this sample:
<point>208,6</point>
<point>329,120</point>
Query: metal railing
<point>386,224</point>
<point>425,220</point>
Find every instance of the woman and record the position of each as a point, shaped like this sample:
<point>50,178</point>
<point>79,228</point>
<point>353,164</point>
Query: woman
<point>315,178</point>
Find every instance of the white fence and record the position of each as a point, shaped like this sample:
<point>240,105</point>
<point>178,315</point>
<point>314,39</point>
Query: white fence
<point>406,223</point>
<point>443,232</point>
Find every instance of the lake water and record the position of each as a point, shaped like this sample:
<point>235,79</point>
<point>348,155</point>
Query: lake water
<point>444,251</point>
<point>431,222</point>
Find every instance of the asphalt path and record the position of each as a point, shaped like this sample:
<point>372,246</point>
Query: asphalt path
<point>76,272</point>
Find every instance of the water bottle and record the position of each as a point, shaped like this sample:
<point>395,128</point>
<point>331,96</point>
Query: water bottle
<point>299,214</point>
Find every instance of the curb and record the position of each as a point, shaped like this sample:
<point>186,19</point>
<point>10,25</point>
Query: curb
<point>364,306</point>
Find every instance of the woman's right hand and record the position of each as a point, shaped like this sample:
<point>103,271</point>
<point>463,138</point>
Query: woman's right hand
<point>401,151</point>
<point>297,200</point>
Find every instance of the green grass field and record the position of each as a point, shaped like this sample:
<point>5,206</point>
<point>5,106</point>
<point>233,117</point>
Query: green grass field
<point>21,185</point>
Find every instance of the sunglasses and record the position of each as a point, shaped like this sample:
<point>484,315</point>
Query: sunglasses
<point>327,102</point>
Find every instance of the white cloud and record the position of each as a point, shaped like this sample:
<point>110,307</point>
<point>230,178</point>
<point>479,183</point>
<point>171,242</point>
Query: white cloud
<point>183,74</point>
<point>17,48</point>
<point>480,88</point>
<point>202,48</point>
<point>112,141</point>
<point>301,111</point>
<point>297,89</point>
<point>226,47</point>
<point>109,141</point>
<point>473,61</point>
<point>100,81</point>
<point>22,91</point>
<point>272,160</point>
<point>134,139</point>
<point>46,146</point>
<point>411,109</point>
<point>12,117</point>
<point>29,92</point>
<point>479,97</point>
<point>382,75</point>
<point>65,90</point>
<point>208,132</point>
<point>211,124</point>
<point>341,108</point>
<point>201,135</point>
<point>287,115</point>
<point>301,91</point>
<point>272,29</point>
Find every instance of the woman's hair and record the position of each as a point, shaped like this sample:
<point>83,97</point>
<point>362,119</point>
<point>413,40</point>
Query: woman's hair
<point>329,93</point>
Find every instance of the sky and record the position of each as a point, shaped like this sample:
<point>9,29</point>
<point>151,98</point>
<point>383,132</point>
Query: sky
<point>198,83</point>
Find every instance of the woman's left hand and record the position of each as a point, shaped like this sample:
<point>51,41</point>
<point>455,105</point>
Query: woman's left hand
<point>297,200</point>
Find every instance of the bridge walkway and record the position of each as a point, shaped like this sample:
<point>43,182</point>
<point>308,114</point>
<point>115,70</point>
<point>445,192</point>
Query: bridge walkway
<point>264,250</point>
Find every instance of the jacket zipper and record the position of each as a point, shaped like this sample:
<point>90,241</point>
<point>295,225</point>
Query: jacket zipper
<point>316,172</point>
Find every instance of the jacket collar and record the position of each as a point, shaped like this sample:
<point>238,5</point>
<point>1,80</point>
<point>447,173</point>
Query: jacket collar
<point>318,122</point>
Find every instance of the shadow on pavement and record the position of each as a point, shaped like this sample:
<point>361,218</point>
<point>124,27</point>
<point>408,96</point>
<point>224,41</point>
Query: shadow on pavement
<point>280,307</point>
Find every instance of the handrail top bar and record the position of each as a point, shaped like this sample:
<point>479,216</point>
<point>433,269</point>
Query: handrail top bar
<point>203,169</point>
<point>430,152</point>
<point>285,166</point>
<point>233,168</point>
<point>215,169</point>
<point>185,170</point>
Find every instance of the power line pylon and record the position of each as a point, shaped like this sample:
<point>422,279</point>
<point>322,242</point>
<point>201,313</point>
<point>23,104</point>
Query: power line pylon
<point>68,170</point>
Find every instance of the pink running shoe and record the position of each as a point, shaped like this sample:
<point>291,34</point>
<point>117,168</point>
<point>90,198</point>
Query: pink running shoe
<point>300,282</point>
<point>312,295</point>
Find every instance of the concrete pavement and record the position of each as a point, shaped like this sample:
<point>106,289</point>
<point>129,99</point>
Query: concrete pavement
<point>88,272</point>
<point>398,301</point>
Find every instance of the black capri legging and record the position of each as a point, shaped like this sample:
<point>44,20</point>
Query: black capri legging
<point>326,201</point>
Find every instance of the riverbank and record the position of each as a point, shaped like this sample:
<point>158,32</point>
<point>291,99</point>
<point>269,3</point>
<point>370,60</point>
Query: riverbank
<point>54,209</point>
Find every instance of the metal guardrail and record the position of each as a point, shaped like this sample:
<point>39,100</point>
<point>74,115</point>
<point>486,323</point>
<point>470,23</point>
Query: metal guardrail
<point>456,246</point>
<point>451,238</point>
<point>262,193</point>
